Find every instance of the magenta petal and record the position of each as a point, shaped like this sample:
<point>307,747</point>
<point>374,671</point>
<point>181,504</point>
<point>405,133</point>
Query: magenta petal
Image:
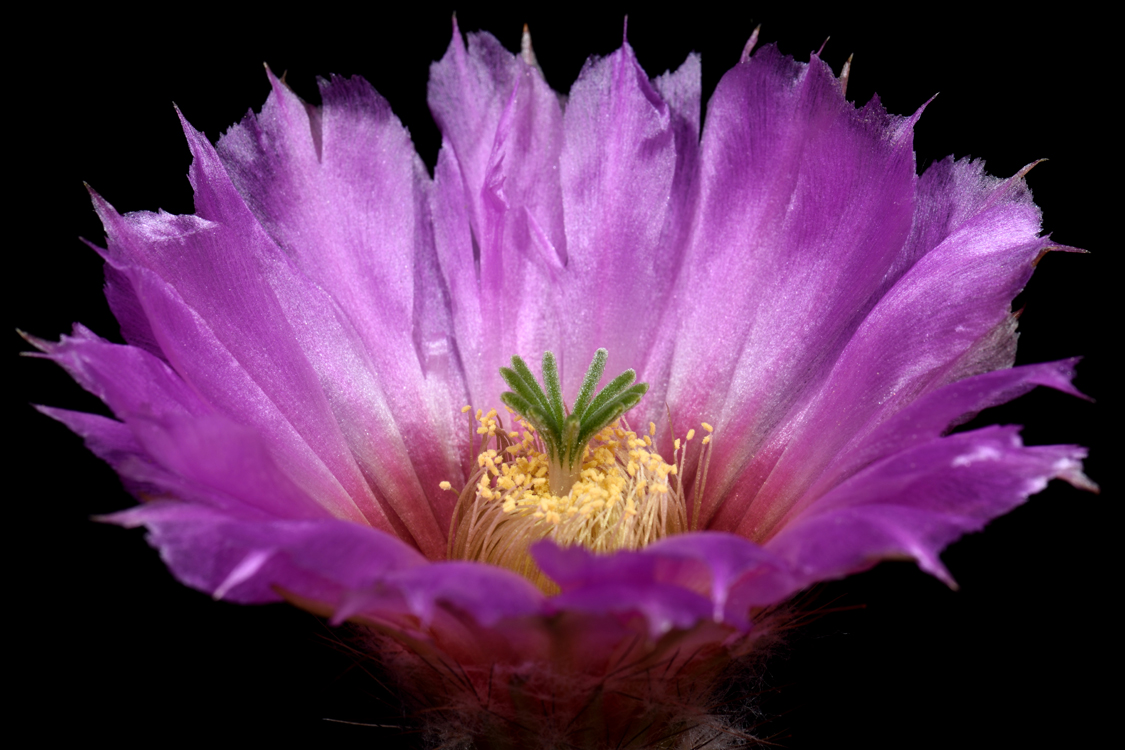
<point>175,441</point>
<point>248,561</point>
<point>456,250</point>
<point>347,567</point>
<point>921,421</point>
<point>343,194</point>
<point>663,605</point>
<point>742,574</point>
<point>217,453</point>
<point>280,356</point>
<point>492,108</point>
<point>468,90</point>
<point>172,444</point>
<point>628,169</point>
<point>115,443</point>
<point>503,125</point>
<point>485,592</point>
<point>575,567</point>
<point>627,162</point>
<point>206,460</point>
<point>675,582</point>
<point>912,504</point>
<point>284,403</point>
<point>953,302</point>
<point>129,380</point>
<point>791,243</point>
<point>937,411</point>
<point>312,362</point>
<point>624,583</point>
<point>127,308</point>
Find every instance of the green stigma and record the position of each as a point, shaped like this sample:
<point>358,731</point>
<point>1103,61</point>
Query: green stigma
<point>565,433</point>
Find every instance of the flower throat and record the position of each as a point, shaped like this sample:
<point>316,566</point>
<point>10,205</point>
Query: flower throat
<point>577,476</point>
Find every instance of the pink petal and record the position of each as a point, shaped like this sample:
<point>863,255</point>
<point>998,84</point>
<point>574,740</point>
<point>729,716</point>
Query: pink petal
<point>805,204</point>
<point>249,561</point>
<point>912,504</point>
<point>209,302</point>
<point>503,127</point>
<point>947,316</point>
<point>675,582</point>
<point>628,170</point>
<point>342,193</point>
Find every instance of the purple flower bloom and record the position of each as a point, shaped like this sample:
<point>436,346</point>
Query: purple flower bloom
<point>290,401</point>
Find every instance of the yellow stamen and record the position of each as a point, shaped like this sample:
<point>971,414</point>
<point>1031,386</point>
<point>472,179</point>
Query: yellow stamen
<point>623,498</point>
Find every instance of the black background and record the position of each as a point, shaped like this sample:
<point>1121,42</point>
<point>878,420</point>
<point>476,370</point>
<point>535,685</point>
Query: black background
<point>107,644</point>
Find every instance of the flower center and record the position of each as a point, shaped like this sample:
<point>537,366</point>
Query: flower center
<point>578,476</point>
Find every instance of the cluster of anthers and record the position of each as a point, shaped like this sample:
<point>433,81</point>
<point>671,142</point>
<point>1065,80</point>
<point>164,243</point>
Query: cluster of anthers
<point>585,479</point>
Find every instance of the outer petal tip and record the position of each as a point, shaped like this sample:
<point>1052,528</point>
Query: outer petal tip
<point>1070,470</point>
<point>750,44</point>
<point>526,51</point>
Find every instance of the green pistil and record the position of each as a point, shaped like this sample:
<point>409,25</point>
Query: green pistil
<point>564,433</point>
